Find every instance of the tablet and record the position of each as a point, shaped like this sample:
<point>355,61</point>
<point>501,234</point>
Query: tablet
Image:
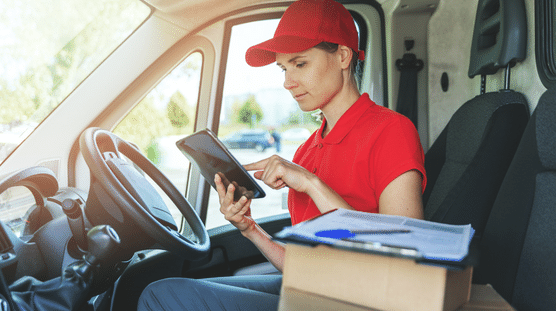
<point>211,156</point>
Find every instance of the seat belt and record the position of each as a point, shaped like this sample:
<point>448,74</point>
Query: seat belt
<point>408,66</point>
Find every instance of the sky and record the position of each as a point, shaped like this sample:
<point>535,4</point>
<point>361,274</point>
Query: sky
<point>252,79</point>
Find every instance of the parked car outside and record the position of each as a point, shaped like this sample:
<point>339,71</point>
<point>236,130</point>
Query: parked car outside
<point>256,139</point>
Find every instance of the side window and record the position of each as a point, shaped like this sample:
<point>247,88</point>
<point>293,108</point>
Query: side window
<point>16,204</point>
<point>164,116</point>
<point>258,118</point>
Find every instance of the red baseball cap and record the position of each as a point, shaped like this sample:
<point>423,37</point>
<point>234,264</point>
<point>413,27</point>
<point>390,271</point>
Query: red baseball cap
<point>305,24</point>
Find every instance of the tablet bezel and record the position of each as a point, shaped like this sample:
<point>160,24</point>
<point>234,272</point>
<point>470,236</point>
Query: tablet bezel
<point>208,171</point>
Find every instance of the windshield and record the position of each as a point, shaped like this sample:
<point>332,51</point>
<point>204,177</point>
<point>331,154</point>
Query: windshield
<point>47,49</point>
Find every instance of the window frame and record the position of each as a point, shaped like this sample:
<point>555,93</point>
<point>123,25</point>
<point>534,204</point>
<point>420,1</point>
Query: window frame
<point>219,98</point>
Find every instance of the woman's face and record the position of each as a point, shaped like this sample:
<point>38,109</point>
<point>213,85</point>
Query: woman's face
<point>313,77</point>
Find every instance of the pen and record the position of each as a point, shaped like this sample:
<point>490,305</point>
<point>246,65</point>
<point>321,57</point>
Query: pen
<point>344,233</point>
<point>380,248</point>
<point>381,231</point>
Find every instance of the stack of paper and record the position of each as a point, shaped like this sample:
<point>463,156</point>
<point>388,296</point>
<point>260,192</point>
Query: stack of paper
<point>386,234</point>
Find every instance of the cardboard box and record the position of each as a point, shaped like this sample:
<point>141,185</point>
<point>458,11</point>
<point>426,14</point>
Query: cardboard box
<point>483,297</point>
<point>295,300</point>
<point>374,281</point>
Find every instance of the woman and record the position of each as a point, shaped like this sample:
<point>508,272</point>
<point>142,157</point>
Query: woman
<point>364,156</point>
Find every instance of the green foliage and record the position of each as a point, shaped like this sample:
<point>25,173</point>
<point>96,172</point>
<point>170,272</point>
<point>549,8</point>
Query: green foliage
<point>147,122</point>
<point>142,124</point>
<point>160,115</point>
<point>250,112</point>
<point>178,118</point>
<point>54,49</point>
<point>153,152</point>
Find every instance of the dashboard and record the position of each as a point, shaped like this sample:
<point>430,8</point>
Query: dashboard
<point>35,238</point>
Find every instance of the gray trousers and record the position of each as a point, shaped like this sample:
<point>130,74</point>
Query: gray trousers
<point>252,292</point>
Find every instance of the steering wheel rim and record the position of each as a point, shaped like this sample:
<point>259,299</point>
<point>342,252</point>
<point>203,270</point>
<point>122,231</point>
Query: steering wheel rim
<point>100,149</point>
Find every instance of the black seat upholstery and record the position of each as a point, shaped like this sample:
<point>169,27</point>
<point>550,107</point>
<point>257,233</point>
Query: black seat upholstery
<point>469,159</point>
<point>517,250</point>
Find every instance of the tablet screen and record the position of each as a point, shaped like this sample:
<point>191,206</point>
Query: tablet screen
<point>211,156</point>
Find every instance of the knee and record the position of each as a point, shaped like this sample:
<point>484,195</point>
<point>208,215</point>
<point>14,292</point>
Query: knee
<point>164,294</point>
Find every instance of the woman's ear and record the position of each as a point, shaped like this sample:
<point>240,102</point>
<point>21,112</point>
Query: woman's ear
<point>345,53</point>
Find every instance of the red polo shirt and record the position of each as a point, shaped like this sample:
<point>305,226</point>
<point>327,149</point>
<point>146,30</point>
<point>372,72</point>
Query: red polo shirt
<point>369,146</point>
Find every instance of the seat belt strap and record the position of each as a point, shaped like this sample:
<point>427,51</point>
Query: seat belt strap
<point>408,66</point>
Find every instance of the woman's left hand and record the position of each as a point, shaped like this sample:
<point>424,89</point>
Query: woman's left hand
<point>277,173</point>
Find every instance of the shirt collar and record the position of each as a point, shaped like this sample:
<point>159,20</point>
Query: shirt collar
<point>345,123</point>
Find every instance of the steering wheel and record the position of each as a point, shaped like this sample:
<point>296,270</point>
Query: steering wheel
<point>104,153</point>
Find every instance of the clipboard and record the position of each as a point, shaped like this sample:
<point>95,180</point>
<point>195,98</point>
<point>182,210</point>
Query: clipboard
<point>420,244</point>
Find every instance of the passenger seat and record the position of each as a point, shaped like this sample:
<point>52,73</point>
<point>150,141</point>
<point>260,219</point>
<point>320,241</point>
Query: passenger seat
<point>467,163</point>
<point>517,250</point>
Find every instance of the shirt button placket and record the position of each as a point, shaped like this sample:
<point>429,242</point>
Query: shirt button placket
<point>318,157</point>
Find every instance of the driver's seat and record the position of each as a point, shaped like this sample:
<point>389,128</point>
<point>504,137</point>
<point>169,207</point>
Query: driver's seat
<point>145,267</point>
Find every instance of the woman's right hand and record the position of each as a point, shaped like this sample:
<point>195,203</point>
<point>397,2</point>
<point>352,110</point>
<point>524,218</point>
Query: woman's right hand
<point>236,212</point>
<point>277,172</point>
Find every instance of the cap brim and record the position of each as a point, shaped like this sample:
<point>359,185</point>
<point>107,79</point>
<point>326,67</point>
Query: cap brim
<point>265,53</point>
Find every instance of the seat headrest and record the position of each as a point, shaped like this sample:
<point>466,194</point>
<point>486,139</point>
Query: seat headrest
<point>499,36</point>
<point>545,114</point>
